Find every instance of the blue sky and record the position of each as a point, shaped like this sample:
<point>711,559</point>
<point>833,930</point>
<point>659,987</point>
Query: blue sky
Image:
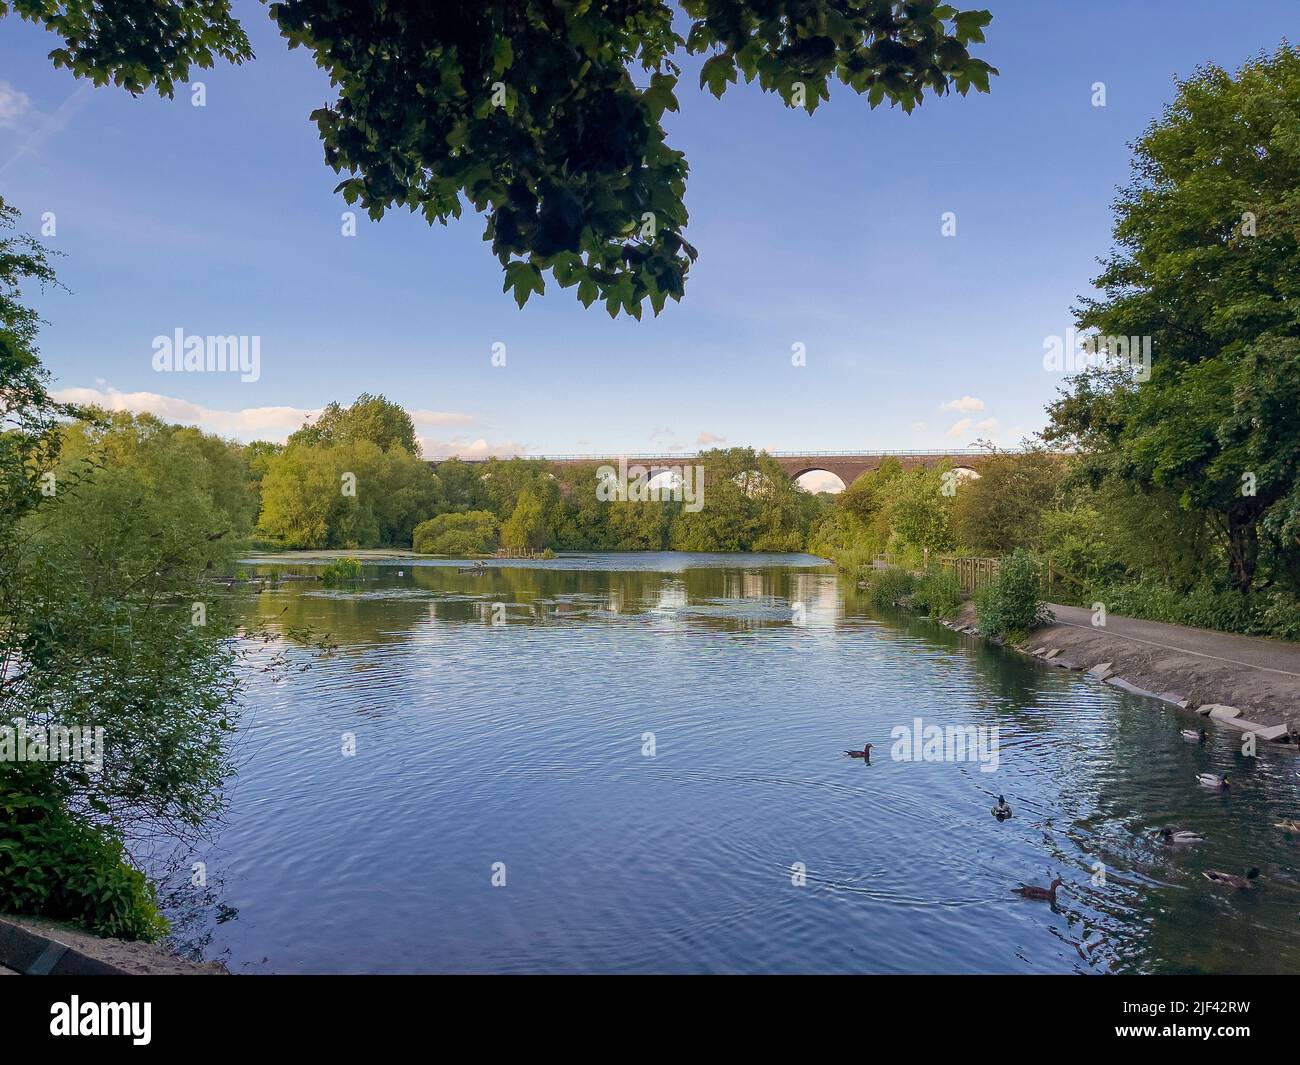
<point>821,230</point>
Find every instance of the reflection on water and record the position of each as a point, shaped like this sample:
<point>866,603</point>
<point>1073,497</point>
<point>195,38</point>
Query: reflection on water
<point>516,734</point>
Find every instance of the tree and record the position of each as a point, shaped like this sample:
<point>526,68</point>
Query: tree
<point>462,484</point>
<point>168,460</point>
<point>106,526</point>
<point>372,418</point>
<point>544,115</point>
<point>921,512</point>
<point>749,504</point>
<point>137,44</point>
<point>258,456</point>
<point>1002,508</point>
<point>525,530</point>
<point>1208,235</point>
<point>30,419</point>
<point>861,519</point>
<point>348,494</point>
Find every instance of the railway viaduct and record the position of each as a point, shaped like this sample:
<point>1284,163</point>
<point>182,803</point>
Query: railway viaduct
<point>848,466</point>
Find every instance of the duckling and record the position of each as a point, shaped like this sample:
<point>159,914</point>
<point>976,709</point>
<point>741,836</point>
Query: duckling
<point>1001,811</point>
<point>1191,735</point>
<point>1231,879</point>
<point>1288,825</point>
<point>864,754</point>
<point>1213,780</point>
<point>1039,894</point>
<point>1172,835</point>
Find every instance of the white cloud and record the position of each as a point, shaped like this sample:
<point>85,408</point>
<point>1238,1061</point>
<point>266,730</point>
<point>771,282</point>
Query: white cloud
<point>459,447</point>
<point>251,423</point>
<point>959,427</point>
<point>967,404</point>
<point>918,427</point>
<point>704,439</point>
<point>13,105</point>
<point>987,424</point>
<point>269,423</point>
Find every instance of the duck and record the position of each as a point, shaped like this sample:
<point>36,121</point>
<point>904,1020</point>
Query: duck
<point>1039,894</point>
<point>864,754</point>
<point>1214,876</point>
<point>1001,811</point>
<point>1191,735</point>
<point>1175,835</point>
<point>1213,780</point>
<point>1288,824</point>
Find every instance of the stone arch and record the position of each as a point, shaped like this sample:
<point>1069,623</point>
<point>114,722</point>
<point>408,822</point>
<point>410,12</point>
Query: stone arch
<point>825,475</point>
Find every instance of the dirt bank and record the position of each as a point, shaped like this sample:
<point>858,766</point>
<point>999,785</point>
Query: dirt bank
<point>137,958</point>
<point>1201,671</point>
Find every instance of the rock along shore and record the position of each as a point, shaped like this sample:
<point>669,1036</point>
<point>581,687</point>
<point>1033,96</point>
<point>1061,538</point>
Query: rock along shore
<point>1237,682</point>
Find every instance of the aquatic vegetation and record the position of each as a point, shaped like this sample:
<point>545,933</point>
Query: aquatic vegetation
<point>890,586</point>
<point>340,570</point>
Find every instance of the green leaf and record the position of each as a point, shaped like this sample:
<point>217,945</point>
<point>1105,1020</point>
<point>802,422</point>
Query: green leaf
<point>717,73</point>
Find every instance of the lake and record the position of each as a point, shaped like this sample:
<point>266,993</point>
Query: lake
<point>628,763</point>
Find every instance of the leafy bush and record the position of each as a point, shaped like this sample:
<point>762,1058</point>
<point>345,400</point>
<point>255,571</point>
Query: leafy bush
<point>938,593</point>
<point>472,533</point>
<point>59,865</point>
<point>890,586</point>
<point>1009,606</point>
<point>1207,607</point>
<point>341,569</point>
<point>1280,616</point>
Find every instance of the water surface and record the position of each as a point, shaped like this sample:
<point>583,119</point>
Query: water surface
<point>526,742</point>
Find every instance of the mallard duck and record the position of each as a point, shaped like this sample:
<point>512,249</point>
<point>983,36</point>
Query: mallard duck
<point>1039,894</point>
<point>1191,735</point>
<point>1288,825</point>
<point>1001,811</point>
<point>1231,879</point>
<point>864,754</point>
<point>1213,780</point>
<point>1174,835</point>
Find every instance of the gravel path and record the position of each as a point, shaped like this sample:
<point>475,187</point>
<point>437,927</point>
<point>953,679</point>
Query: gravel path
<point>1260,678</point>
<point>1276,656</point>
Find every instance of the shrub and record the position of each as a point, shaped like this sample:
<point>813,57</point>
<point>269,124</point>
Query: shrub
<point>889,586</point>
<point>341,569</point>
<point>1009,606</point>
<point>1206,606</point>
<point>59,865</point>
<point>1280,616</point>
<point>471,533</point>
<point>938,593</point>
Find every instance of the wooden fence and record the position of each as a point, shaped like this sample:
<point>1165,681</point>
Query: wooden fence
<point>975,573</point>
<point>972,573</point>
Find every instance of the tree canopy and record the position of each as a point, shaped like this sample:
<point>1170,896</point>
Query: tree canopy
<point>546,116</point>
<point>1207,265</point>
<point>375,419</point>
